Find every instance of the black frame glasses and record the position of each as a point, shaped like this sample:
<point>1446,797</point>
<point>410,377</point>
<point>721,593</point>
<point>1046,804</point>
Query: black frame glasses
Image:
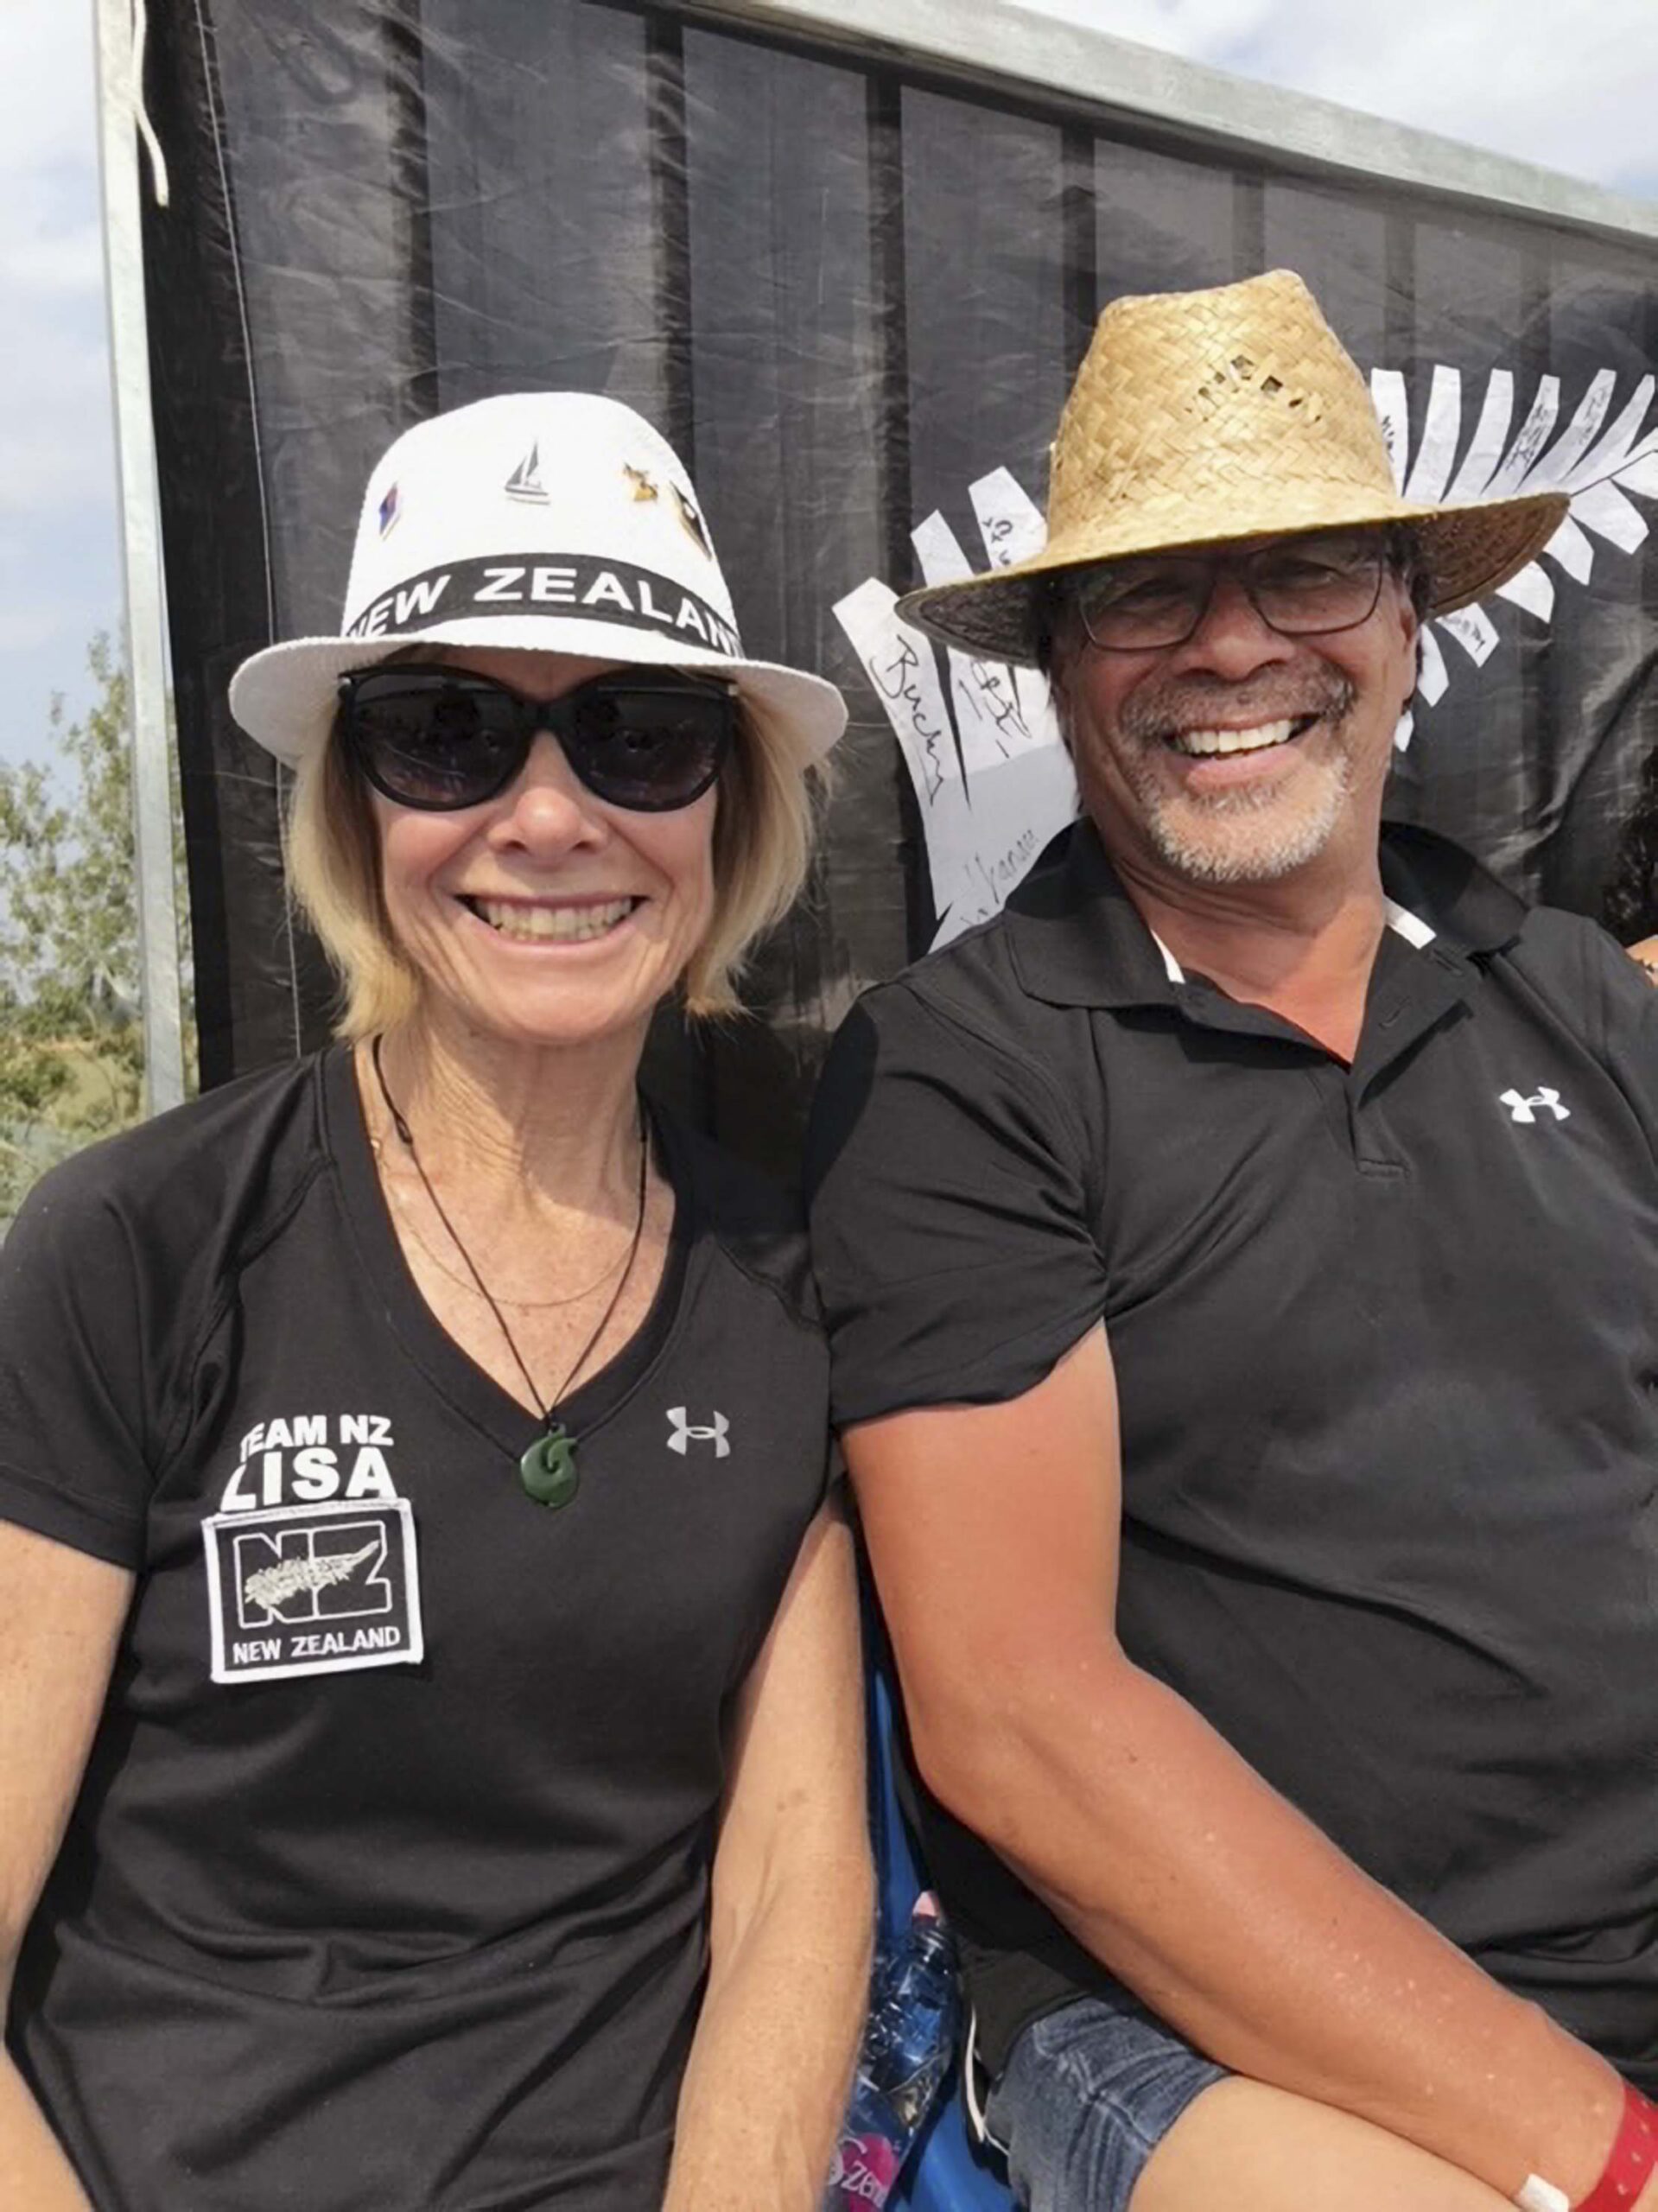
<point>438,739</point>
<point>1315,585</point>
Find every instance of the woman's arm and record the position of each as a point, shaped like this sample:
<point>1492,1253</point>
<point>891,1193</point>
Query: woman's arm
<point>793,1906</point>
<point>60,1613</point>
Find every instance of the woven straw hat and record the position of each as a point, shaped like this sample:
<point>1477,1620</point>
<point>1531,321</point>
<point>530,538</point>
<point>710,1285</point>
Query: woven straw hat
<point>1202,418</point>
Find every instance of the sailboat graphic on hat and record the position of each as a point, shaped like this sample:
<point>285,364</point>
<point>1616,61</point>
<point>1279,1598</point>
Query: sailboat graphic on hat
<point>524,482</point>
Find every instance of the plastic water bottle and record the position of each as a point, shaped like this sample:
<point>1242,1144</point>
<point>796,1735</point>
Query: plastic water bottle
<point>909,2039</point>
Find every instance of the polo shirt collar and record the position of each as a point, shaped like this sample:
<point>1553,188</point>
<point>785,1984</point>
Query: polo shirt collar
<point>1078,939</point>
<point>1433,882</point>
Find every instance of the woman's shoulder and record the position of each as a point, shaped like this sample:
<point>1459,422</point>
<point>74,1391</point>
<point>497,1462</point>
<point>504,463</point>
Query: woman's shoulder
<point>170,1182</point>
<point>757,1221</point>
<point>121,1261</point>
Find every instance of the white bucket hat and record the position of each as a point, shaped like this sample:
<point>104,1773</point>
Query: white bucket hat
<point>556,521</point>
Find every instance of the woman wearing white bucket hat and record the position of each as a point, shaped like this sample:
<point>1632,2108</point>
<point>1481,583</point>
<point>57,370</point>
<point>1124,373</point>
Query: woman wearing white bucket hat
<point>413,1461</point>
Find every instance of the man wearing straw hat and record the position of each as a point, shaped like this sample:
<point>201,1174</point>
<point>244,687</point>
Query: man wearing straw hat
<point>1240,1259</point>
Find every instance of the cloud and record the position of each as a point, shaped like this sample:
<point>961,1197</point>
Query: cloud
<point>43,622</point>
<point>56,447</point>
<point>58,570</point>
<point>66,263</point>
<point>47,94</point>
<point>1569,90</point>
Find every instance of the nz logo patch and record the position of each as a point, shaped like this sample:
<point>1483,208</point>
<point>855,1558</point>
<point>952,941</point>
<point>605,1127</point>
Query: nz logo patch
<point>311,1590</point>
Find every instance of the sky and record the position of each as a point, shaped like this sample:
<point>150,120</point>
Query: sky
<point>1573,88</point>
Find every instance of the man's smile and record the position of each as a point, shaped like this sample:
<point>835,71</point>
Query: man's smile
<point>1254,739</point>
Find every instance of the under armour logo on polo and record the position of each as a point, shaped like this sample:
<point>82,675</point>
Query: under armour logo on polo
<point>684,1434</point>
<point>1523,1109</point>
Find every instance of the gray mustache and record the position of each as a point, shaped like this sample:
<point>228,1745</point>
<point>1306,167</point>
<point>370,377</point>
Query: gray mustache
<point>1189,706</point>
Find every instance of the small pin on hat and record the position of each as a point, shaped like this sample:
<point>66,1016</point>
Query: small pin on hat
<point>692,515</point>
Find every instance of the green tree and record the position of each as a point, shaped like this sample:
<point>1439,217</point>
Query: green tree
<point>71,1034</point>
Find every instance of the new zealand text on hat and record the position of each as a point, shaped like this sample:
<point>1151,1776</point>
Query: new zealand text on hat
<point>1202,418</point>
<point>556,521</point>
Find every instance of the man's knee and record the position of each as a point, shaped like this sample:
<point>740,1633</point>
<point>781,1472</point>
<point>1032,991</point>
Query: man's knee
<point>1249,2148</point>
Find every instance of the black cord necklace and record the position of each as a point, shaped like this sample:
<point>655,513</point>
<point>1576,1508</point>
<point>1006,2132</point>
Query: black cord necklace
<point>548,1469</point>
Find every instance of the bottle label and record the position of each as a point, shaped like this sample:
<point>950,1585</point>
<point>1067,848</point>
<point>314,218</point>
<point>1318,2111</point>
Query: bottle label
<point>865,2168</point>
<point>910,2099</point>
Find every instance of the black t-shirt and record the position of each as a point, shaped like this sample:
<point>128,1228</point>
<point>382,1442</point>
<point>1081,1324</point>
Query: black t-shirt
<point>387,1887</point>
<point>1385,1342</point>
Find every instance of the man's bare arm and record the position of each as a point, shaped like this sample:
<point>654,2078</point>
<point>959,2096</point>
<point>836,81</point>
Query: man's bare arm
<point>993,1535</point>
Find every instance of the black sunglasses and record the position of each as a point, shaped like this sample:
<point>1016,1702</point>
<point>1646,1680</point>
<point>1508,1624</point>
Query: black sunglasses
<point>439,739</point>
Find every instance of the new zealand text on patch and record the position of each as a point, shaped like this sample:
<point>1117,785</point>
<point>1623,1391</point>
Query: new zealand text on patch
<point>312,1589</point>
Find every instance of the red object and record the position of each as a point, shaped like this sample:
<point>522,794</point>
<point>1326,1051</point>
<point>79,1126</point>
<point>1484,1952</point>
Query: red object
<point>865,2166</point>
<point>1631,2158</point>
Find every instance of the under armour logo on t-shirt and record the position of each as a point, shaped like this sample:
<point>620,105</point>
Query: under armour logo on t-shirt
<point>685,1434</point>
<point>1523,1109</point>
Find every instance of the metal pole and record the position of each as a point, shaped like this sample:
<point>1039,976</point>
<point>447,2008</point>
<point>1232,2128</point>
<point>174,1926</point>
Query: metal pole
<point>152,804</point>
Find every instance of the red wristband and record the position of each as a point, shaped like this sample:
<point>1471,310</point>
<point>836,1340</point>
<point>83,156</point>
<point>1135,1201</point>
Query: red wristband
<point>1631,2158</point>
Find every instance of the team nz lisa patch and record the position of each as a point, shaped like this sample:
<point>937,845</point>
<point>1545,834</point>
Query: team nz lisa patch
<point>311,1590</point>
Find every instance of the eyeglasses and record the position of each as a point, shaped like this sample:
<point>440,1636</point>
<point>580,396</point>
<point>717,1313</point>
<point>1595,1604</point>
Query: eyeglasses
<point>1300,586</point>
<point>439,739</point>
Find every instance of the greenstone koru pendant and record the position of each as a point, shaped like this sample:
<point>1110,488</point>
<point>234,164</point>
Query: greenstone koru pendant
<point>548,1469</point>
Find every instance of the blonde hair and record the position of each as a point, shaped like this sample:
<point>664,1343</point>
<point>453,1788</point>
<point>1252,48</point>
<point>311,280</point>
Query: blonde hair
<point>763,836</point>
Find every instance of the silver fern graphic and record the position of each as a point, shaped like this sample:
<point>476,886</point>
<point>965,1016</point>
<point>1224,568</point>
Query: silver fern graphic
<point>273,1586</point>
<point>1597,459</point>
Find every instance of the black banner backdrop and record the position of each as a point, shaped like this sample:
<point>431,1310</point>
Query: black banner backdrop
<point>847,293</point>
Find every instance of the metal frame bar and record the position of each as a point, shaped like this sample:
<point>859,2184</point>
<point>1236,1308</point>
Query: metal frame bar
<point>993,42</point>
<point>145,625</point>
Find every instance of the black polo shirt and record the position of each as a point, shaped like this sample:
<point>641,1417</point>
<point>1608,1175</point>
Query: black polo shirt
<point>1385,1338</point>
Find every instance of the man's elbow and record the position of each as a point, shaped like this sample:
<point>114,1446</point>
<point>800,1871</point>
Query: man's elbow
<point>994,1746</point>
<point>975,1765</point>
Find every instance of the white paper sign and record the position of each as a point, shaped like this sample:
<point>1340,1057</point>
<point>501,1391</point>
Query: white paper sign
<point>1435,678</point>
<point>989,714</point>
<point>1473,630</point>
<point>983,827</point>
<point>1013,526</point>
<point>899,664</point>
<point>1013,810</point>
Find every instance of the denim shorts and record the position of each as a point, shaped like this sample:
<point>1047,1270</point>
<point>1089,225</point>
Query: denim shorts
<point>1086,2095</point>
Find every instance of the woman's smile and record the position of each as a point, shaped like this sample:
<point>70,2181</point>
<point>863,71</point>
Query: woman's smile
<point>551,921</point>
